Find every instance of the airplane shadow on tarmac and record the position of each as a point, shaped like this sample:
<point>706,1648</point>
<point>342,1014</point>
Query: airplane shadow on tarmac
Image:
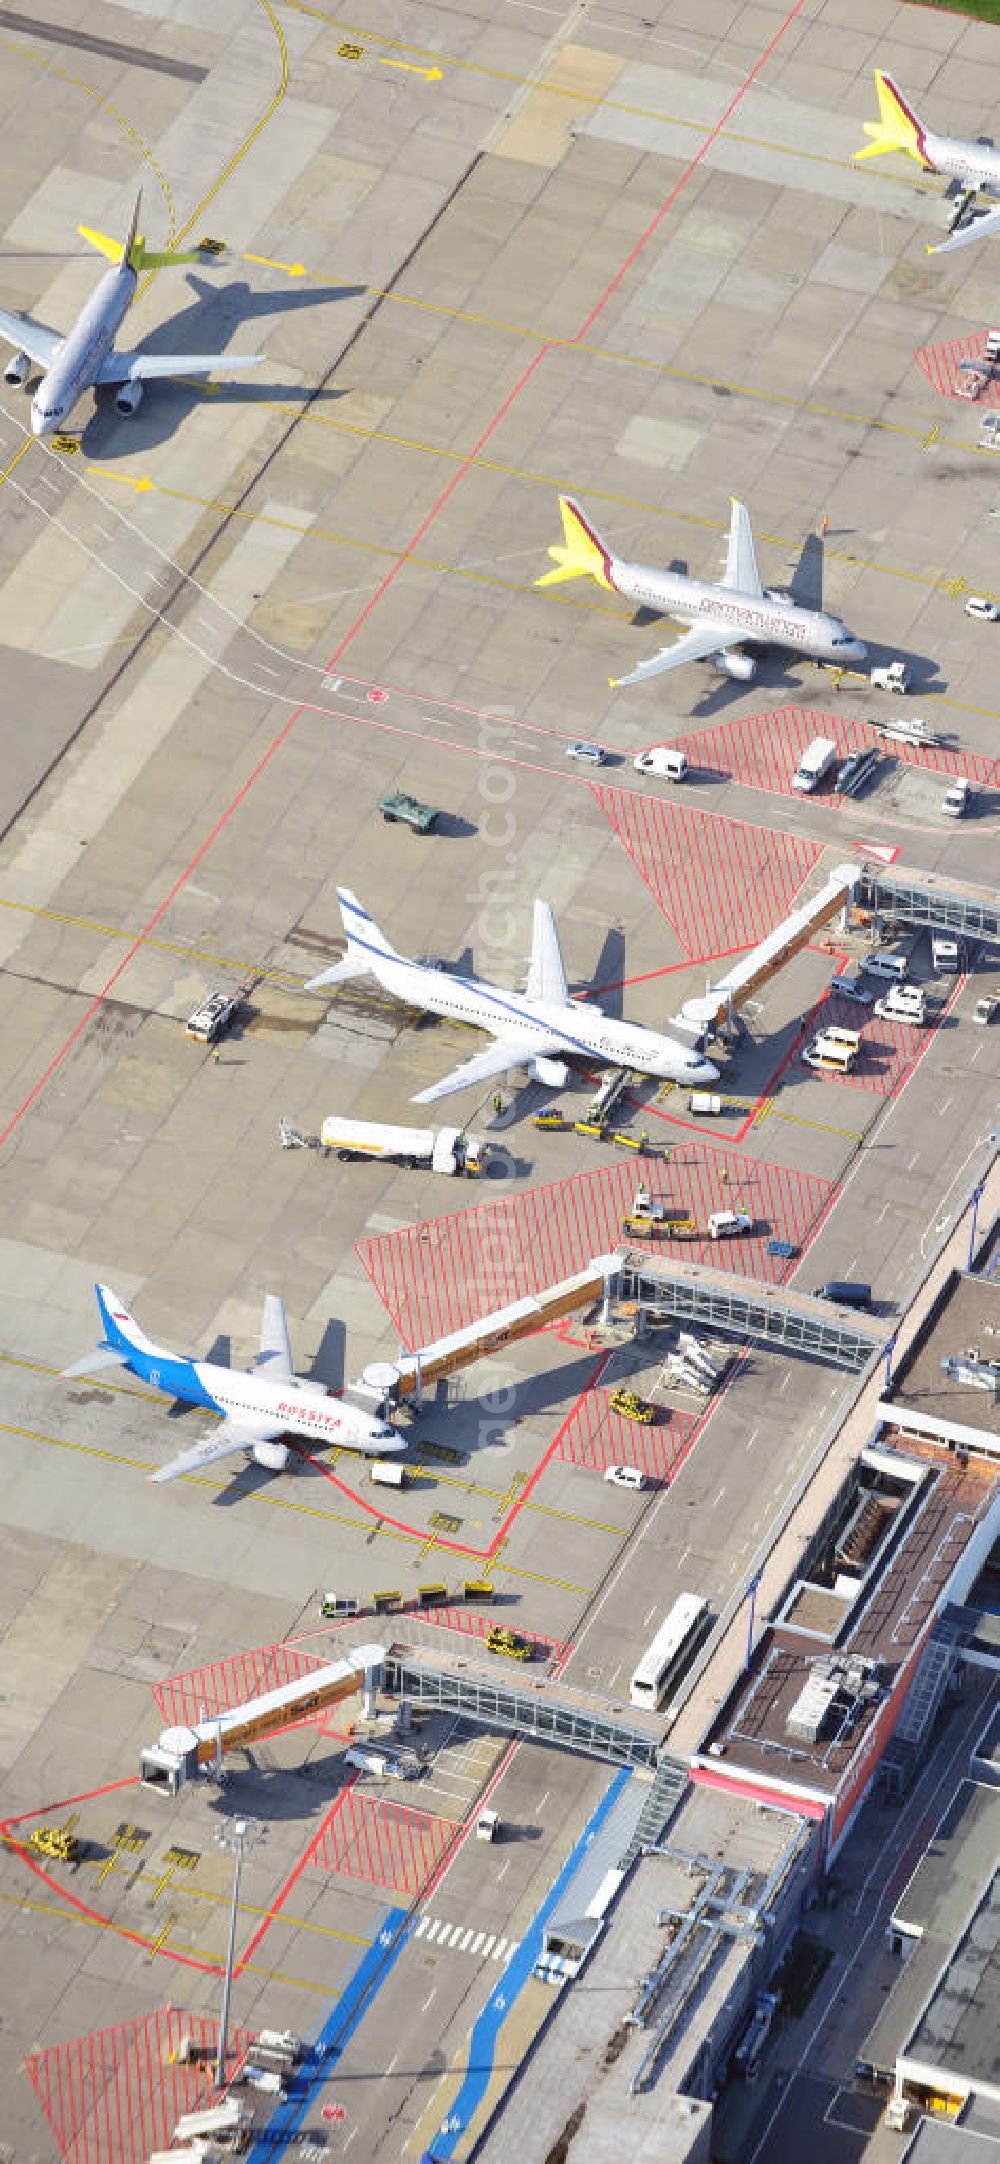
<point>216,322</point>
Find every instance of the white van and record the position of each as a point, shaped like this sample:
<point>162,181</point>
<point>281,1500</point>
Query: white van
<point>828,1058</point>
<point>817,761</point>
<point>883,963</point>
<point>902,1003</point>
<point>833,1034</point>
<point>664,760</point>
<point>722,1224</point>
<point>385,1473</point>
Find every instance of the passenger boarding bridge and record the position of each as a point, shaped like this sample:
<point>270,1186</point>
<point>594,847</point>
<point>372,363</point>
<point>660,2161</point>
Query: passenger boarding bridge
<point>930,903</point>
<point>758,1314</point>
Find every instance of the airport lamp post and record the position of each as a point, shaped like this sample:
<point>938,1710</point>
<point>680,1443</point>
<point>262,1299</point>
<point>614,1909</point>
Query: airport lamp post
<point>754,1583</point>
<point>977,1196</point>
<point>236,1834</point>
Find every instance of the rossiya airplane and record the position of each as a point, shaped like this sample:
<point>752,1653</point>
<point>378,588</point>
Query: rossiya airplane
<point>258,1408</point>
<point>541,1028</point>
<point>85,357</point>
<point>975,167</point>
<point>721,617</point>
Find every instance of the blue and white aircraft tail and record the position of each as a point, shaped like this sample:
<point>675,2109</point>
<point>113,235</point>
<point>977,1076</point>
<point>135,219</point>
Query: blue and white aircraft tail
<point>85,357</point>
<point>258,1409</point>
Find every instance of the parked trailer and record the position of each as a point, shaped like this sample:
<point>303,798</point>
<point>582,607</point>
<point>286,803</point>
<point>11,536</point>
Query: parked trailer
<point>440,1149</point>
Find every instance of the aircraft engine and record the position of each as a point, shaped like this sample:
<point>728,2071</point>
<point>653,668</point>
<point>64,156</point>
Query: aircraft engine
<point>128,396</point>
<point>554,1073</point>
<point>742,667</point>
<point>274,1456</point>
<point>17,368</point>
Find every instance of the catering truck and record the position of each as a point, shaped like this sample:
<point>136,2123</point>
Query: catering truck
<point>437,1149</point>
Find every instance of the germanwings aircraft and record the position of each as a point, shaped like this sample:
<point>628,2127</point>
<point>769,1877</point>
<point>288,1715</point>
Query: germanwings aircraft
<point>974,166</point>
<point>85,357</point>
<point>721,617</point>
<point>539,1028</point>
<point>257,1408</point>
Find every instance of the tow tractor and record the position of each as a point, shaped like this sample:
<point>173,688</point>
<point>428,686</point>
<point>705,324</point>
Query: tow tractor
<point>632,1406</point>
<point>58,1844</point>
<point>501,1640</point>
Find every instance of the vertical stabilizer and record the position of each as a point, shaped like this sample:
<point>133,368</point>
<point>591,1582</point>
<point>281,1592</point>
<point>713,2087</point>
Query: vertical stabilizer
<point>898,127</point>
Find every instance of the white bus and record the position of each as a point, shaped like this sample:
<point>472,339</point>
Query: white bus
<point>664,1661</point>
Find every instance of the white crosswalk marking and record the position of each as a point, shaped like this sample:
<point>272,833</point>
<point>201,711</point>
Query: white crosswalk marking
<point>464,1939</point>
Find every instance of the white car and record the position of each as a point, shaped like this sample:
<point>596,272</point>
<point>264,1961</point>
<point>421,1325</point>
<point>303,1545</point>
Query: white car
<point>593,754</point>
<point>977,605</point>
<point>625,1476</point>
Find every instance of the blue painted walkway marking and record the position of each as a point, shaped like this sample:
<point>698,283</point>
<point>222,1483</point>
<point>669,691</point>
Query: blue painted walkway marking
<point>327,2047</point>
<point>483,2041</point>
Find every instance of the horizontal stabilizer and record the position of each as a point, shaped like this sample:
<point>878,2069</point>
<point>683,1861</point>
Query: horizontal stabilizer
<point>341,972</point>
<point>93,1363</point>
<point>145,367</point>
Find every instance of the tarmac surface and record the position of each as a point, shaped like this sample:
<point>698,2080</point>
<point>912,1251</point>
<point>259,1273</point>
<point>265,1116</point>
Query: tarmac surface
<point>521,250</point>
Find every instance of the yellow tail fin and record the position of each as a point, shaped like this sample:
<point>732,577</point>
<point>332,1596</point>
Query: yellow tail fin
<point>580,554</point>
<point>140,257</point>
<point>896,127</point>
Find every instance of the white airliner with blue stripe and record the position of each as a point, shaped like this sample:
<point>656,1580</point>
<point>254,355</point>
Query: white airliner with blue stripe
<point>257,1410</point>
<point>541,1028</point>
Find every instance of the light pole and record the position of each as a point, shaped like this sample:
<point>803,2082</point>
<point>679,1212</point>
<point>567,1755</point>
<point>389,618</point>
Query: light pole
<point>236,1834</point>
<point>977,1196</point>
<point>754,1583</point>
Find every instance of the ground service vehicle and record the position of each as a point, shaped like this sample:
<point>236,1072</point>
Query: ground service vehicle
<point>665,1660</point>
<point>958,799</point>
<point>895,678</point>
<point>845,1292</point>
<point>852,988</point>
<point>216,1014</point>
<point>398,808</point>
<point>902,1003</point>
<point>664,760</point>
<point>488,1826</point>
<point>384,1474</point>
<point>818,760</point>
<point>723,1224</point>
<point>986,1007</point>
<point>884,963</point>
<point>703,1102</point>
<point>632,1407</point>
<point>501,1640</point>
<point>383,1765</point>
<point>333,1605</point>
<point>591,754</point>
<point>827,1057</point>
<point>944,954</point>
<point>443,1149</point>
<point>978,605</point>
<point>625,1476</point>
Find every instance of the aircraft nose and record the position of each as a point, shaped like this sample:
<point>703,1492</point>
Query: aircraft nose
<point>37,422</point>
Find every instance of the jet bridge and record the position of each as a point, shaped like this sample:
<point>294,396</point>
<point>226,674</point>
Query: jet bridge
<point>701,1014</point>
<point>408,1376</point>
<point>181,1753</point>
<point>931,902</point>
<point>730,1306</point>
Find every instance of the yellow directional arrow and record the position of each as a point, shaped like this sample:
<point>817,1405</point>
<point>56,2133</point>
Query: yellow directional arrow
<point>292,270</point>
<point>430,75</point>
<point>128,480</point>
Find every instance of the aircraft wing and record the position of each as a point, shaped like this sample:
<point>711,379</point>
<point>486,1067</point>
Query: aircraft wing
<point>487,1066</point>
<point>547,971</point>
<point>275,1349</point>
<point>34,339</point>
<point>741,557</point>
<point>143,367</point>
<point>708,636</point>
<point>977,229</point>
<point>221,1442</point>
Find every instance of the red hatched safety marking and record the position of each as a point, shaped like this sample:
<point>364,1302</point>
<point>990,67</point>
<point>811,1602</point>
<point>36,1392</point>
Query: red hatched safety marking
<point>114,2097</point>
<point>887,1050</point>
<point>762,751</point>
<point>439,1276</point>
<point>474,1625</point>
<point>940,366</point>
<point>386,1844</point>
<point>594,1436</point>
<point>721,886</point>
<point>202,1692</point>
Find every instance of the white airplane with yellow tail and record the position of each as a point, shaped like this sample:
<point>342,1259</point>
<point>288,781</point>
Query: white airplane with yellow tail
<point>974,167</point>
<point>85,357</point>
<point>722,617</point>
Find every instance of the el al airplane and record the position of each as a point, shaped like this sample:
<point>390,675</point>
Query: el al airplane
<point>721,617</point>
<point>85,357</point>
<point>975,167</point>
<point>258,1408</point>
<point>538,1028</point>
